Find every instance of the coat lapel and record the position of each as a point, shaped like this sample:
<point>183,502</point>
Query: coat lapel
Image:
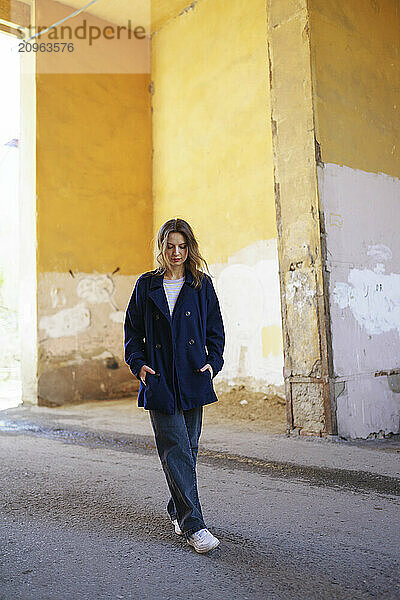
<point>157,294</point>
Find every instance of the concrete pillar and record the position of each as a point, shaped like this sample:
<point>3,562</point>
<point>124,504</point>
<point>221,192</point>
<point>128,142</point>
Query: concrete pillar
<point>305,312</point>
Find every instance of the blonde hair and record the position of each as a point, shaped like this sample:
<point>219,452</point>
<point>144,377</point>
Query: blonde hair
<point>194,262</point>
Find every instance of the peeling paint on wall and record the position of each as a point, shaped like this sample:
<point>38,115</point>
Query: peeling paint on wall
<point>307,367</point>
<point>299,291</point>
<point>96,288</point>
<point>101,291</point>
<point>373,298</point>
<point>367,406</point>
<point>117,316</point>
<point>380,252</point>
<point>248,291</point>
<point>58,297</point>
<point>364,265</point>
<point>69,321</point>
<point>84,338</point>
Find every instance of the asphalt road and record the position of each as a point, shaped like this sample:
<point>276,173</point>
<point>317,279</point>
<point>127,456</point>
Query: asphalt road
<point>83,519</point>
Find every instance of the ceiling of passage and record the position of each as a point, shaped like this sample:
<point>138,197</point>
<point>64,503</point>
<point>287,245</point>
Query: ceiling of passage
<point>138,11</point>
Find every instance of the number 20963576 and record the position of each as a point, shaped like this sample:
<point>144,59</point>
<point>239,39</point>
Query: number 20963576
<point>46,47</point>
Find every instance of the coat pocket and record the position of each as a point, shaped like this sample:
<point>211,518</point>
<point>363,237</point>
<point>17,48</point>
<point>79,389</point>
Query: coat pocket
<point>203,378</point>
<point>151,384</point>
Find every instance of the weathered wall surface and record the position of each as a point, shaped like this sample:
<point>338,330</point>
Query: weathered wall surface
<point>213,167</point>
<point>164,10</point>
<point>356,52</point>
<point>94,227</point>
<point>356,73</point>
<point>364,262</point>
<point>307,369</point>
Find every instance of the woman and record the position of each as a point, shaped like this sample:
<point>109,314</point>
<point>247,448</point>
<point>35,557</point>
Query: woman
<point>174,342</point>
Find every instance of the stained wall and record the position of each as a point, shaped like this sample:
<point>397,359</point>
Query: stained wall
<point>356,90</point>
<point>94,226</point>
<point>213,166</point>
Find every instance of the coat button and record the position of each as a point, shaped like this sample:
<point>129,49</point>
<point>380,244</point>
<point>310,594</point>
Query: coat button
<point>158,346</point>
<point>187,313</point>
<point>157,316</point>
<point>191,342</point>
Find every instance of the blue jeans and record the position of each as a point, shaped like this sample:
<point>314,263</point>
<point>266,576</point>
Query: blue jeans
<point>177,440</point>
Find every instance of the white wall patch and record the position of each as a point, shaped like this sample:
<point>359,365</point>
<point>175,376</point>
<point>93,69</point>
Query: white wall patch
<point>117,316</point>
<point>96,289</point>
<point>380,252</point>
<point>58,297</point>
<point>249,294</point>
<point>373,298</point>
<point>69,321</point>
<point>298,290</point>
<point>363,259</point>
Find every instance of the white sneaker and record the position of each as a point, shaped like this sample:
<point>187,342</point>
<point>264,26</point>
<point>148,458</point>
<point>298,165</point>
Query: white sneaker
<point>203,541</point>
<point>178,530</point>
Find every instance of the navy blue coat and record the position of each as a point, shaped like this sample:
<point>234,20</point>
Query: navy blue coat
<point>183,343</point>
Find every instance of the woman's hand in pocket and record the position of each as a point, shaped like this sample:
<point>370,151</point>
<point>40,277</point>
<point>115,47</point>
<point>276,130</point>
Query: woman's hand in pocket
<point>209,367</point>
<point>142,373</point>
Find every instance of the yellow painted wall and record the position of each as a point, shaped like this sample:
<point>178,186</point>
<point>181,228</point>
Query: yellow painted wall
<point>272,340</point>
<point>211,125</point>
<point>94,173</point>
<point>356,60</point>
<point>163,10</point>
